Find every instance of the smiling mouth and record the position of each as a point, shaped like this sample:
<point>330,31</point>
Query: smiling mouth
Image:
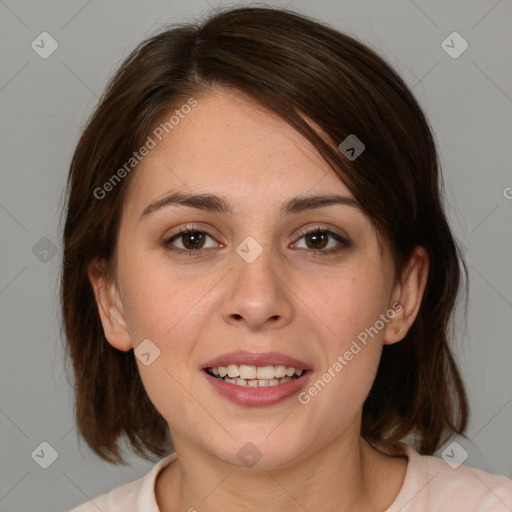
<point>255,376</point>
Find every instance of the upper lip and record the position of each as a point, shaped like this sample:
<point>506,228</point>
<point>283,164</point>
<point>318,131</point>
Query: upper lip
<point>255,359</point>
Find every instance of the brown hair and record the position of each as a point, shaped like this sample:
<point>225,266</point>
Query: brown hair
<point>312,76</point>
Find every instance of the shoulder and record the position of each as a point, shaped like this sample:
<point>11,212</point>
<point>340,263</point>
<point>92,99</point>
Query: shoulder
<point>431,484</point>
<point>135,496</point>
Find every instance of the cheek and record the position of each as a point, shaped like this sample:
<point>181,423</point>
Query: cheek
<point>352,303</point>
<point>169,310</point>
<point>351,308</point>
<point>338,394</point>
<point>167,307</point>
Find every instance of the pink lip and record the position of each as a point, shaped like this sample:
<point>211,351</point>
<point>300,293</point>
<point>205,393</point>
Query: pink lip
<point>250,358</point>
<point>257,397</point>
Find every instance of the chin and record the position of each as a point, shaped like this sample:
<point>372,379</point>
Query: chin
<point>259,452</point>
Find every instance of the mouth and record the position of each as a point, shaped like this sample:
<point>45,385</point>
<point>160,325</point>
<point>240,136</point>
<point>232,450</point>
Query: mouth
<point>250,379</point>
<point>252,376</point>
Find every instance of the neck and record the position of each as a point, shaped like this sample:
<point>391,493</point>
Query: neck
<point>346,474</point>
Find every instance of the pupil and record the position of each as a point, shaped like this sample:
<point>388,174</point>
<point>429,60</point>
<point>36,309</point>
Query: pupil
<point>195,238</point>
<point>315,237</point>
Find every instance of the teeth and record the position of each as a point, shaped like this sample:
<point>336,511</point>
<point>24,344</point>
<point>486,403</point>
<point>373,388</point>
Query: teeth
<point>249,372</point>
<point>256,376</point>
<point>280,371</point>
<point>233,370</point>
<point>265,372</point>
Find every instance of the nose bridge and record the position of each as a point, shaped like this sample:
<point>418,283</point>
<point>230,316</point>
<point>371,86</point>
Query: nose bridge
<point>256,292</point>
<point>255,275</point>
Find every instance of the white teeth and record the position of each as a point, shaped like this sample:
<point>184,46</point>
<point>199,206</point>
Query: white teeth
<point>233,370</point>
<point>265,372</point>
<point>247,372</point>
<point>250,372</point>
<point>253,377</point>
<point>280,371</point>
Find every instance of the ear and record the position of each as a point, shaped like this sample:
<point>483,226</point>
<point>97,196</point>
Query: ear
<point>407,295</point>
<point>110,307</point>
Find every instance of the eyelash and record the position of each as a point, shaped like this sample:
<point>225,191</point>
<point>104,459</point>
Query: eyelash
<point>308,231</point>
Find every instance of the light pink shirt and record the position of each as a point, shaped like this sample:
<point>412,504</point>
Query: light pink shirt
<point>430,485</point>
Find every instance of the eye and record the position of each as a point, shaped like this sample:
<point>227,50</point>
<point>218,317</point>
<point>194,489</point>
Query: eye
<point>317,241</point>
<point>189,240</point>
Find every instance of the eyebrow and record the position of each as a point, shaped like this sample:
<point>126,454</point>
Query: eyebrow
<point>220,204</point>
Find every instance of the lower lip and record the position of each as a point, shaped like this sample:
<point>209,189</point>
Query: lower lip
<point>257,397</point>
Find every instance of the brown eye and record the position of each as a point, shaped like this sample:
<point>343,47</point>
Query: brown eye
<point>190,239</point>
<point>193,240</point>
<point>318,241</point>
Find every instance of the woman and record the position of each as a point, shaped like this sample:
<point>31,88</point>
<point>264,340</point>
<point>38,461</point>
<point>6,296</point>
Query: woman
<point>255,208</point>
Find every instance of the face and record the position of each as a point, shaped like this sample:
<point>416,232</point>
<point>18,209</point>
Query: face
<point>249,279</point>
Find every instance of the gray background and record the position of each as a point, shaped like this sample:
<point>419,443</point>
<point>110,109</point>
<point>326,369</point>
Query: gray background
<point>44,104</point>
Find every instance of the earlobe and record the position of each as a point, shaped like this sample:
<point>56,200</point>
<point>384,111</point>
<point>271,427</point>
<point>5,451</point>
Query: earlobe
<point>409,294</point>
<point>110,307</point>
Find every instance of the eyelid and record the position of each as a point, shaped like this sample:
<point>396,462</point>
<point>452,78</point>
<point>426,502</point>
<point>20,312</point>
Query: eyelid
<point>189,228</point>
<point>314,228</point>
<point>208,230</point>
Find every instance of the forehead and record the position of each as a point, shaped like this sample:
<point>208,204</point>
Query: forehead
<point>232,145</point>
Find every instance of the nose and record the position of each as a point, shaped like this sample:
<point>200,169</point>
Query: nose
<point>257,294</point>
